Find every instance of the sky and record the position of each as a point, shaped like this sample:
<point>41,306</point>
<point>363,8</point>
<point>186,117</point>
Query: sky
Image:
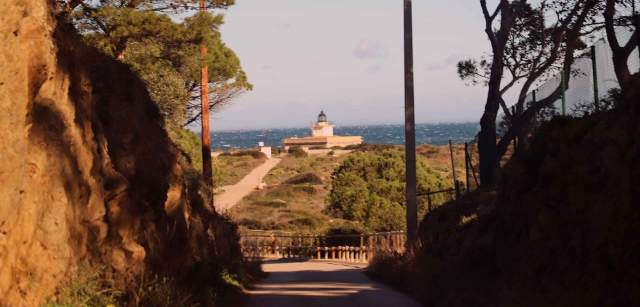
<point>346,57</point>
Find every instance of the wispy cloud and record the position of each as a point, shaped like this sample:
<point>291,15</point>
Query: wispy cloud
<point>373,69</point>
<point>284,26</point>
<point>447,62</point>
<point>368,49</point>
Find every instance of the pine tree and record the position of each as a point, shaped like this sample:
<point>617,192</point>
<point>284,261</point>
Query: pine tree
<point>165,53</point>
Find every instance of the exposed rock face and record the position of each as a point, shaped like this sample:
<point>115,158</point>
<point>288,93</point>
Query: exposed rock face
<point>86,168</point>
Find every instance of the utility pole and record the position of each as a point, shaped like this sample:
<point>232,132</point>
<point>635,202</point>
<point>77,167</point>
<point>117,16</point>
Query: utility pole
<point>594,69</point>
<point>636,23</point>
<point>207,168</point>
<point>563,81</point>
<point>410,130</point>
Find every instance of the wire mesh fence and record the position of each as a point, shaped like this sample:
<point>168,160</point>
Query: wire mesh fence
<point>593,77</point>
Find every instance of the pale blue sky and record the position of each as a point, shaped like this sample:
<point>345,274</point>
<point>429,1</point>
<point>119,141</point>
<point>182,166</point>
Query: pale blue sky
<point>345,56</point>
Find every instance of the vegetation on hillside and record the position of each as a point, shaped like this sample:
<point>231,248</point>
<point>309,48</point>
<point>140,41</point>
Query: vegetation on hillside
<point>228,168</point>
<point>369,188</point>
<point>559,231</point>
<point>299,190</point>
<point>294,199</point>
<point>439,159</point>
<point>93,285</point>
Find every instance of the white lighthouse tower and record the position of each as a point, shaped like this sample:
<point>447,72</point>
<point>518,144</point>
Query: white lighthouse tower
<point>322,126</point>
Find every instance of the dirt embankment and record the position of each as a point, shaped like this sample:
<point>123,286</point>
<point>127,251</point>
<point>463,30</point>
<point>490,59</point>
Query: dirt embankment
<point>561,230</point>
<point>86,169</point>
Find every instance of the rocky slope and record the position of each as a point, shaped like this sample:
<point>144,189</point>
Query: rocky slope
<point>86,168</point>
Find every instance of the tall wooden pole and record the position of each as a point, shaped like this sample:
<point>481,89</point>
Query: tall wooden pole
<point>409,129</point>
<point>563,81</point>
<point>594,68</point>
<point>207,168</point>
<point>636,23</point>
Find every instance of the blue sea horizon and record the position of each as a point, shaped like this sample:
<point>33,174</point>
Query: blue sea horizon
<point>434,134</point>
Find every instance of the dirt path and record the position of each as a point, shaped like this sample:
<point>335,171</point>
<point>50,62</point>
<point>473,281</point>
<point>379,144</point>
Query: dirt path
<point>316,284</point>
<point>234,193</point>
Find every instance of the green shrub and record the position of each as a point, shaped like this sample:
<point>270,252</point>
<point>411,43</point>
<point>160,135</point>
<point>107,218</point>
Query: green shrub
<point>253,224</point>
<point>189,144</point>
<point>306,178</point>
<point>371,147</point>
<point>88,286</point>
<point>297,152</point>
<point>309,190</point>
<point>392,268</point>
<point>256,154</point>
<point>369,188</point>
<point>162,292</point>
<point>306,222</point>
<point>273,203</point>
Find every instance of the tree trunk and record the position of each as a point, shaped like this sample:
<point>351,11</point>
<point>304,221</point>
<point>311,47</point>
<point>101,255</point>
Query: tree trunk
<point>621,52</point>
<point>207,167</point>
<point>487,149</point>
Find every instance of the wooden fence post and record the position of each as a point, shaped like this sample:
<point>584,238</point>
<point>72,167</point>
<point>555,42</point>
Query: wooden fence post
<point>453,170</point>
<point>466,166</point>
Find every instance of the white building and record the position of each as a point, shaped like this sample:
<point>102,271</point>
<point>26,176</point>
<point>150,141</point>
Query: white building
<point>322,127</point>
<point>322,137</point>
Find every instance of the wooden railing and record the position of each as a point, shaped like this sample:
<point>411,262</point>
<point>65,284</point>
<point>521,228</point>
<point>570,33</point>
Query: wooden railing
<point>358,248</point>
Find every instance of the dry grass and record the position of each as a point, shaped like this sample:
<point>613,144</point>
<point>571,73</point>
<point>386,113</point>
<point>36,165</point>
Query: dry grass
<point>321,165</point>
<point>232,168</point>
<point>299,207</point>
<point>294,207</point>
<point>439,158</point>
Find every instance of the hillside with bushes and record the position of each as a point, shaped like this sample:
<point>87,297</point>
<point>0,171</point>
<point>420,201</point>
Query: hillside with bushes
<point>560,230</point>
<point>369,188</point>
<point>361,191</point>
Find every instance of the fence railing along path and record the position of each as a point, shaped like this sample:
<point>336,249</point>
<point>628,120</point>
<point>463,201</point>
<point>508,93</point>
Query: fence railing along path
<point>356,248</point>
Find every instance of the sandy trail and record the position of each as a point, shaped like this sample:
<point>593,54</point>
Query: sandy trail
<point>315,284</point>
<point>235,193</point>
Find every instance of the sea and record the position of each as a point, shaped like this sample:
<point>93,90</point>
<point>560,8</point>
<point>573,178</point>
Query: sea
<point>435,134</point>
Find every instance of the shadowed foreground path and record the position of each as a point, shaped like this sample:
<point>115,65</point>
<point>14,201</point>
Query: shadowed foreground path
<point>313,284</point>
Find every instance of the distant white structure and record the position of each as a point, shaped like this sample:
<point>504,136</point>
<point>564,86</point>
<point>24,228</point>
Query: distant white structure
<point>322,127</point>
<point>266,150</point>
<point>322,137</point>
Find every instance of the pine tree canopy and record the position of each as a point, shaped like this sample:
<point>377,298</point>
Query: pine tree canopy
<point>166,53</point>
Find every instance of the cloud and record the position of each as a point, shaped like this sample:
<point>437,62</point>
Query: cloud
<point>367,49</point>
<point>447,62</point>
<point>374,69</point>
<point>266,67</point>
<point>284,26</point>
